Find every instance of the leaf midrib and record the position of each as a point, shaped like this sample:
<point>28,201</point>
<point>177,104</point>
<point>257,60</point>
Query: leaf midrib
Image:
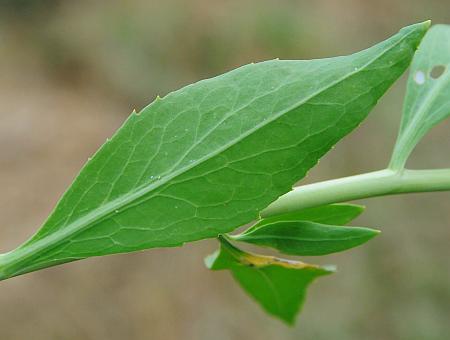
<point>323,220</point>
<point>103,212</point>
<point>293,238</point>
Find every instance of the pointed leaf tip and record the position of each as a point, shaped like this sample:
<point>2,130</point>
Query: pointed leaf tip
<point>203,161</point>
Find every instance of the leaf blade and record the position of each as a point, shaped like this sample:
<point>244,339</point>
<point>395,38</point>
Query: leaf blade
<point>278,286</point>
<point>305,238</point>
<point>426,101</point>
<point>205,159</point>
<point>337,214</point>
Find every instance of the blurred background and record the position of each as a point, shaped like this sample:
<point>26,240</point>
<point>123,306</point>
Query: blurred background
<point>71,72</point>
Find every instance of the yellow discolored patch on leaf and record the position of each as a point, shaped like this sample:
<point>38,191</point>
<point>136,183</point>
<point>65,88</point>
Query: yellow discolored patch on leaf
<point>263,261</point>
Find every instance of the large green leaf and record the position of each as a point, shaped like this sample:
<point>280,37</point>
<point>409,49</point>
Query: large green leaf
<point>207,158</point>
<point>305,238</point>
<point>278,285</point>
<point>427,97</point>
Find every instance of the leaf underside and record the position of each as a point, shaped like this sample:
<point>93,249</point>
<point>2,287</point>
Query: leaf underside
<point>427,96</point>
<point>207,158</point>
<point>305,238</point>
<point>337,214</point>
<point>278,285</point>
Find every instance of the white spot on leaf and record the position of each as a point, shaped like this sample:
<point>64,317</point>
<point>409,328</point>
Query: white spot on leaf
<point>419,77</point>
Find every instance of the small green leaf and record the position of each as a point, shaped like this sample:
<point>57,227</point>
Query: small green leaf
<point>278,285</point>
<point>427,96</point>
<point>338,214</point>
<point>304,238</point>
<point>207,158</point>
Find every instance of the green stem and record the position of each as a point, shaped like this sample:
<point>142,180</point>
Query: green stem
<point>372,184</point>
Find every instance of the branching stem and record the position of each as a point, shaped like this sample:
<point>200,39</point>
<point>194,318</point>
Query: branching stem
<point>372,184</point>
